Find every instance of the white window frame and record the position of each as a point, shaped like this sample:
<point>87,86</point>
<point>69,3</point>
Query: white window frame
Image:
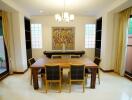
<point>90,35</point>
<point>36,35</point>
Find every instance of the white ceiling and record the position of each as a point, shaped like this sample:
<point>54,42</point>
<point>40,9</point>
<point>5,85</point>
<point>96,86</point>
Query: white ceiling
<point>77,7</point>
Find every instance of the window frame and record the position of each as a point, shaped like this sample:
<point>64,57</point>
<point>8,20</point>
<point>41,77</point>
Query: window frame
<point>87,42</point>
<point>39,46</point>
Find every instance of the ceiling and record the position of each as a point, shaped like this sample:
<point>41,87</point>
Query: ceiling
<point>77,7</point>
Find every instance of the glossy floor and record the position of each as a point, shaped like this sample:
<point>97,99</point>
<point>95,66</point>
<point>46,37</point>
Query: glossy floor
<point>112,87</point>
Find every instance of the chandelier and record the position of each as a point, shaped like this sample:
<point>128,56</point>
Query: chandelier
<point>64,16</point>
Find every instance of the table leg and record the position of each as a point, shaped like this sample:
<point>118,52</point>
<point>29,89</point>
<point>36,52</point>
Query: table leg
<point>35,78</point>
<point>93,77</point>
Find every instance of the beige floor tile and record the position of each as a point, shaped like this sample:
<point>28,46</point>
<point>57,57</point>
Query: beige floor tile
<point>112,87</point>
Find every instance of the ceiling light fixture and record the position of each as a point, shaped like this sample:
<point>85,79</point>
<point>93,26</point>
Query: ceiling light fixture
<point>64,16</point>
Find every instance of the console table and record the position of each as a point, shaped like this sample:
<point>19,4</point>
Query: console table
<point>50,53</point>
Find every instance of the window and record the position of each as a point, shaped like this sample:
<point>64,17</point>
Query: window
<point>130,26</point>
<point>36,30</point>
<point>90,36</point>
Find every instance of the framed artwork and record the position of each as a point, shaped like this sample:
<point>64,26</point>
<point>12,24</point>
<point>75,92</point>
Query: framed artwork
<point>63,38</point>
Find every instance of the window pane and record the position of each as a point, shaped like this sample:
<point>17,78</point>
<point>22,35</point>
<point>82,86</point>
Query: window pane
<point>36,35</point>
<point>90,36</point>
<point>130,27</point>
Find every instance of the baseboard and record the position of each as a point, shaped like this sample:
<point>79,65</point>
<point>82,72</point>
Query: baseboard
<point>128,77</point>
<point>4,76</point>
<point>21,72</point>
<point>106,70</point>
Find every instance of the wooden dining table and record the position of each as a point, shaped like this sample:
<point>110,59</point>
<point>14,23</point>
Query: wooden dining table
<point>63,63</point>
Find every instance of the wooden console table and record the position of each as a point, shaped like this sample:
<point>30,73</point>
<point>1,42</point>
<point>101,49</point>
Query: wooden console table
<point>50,53</point>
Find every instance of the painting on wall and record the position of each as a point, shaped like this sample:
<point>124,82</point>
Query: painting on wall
<point>63,38</point>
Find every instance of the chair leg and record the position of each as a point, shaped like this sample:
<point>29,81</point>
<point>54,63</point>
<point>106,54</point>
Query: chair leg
<point>98,77</point>
<point>84,86</point>
<point>86,76</point>
<point>70,86</point>
<point>62,74</point>
<point>60,86</point>
<point>31,77</point>
<point>46,87</point>
<point>43,78</point>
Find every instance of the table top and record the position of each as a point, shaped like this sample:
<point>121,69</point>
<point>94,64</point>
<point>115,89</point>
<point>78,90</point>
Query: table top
<point>66,51</point>
<point>64,62</point>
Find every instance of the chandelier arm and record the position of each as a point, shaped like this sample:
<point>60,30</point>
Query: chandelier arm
<point>66,17</point>
<point>64,5</point>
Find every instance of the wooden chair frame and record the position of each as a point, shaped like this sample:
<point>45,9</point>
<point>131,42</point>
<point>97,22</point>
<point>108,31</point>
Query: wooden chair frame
<point>74,56</point>
<point>83,80</point>
<point>29,60</point>
<point>52,81</point>
<point>98,74</point>
<point>56,56</point>
<point>42,75</point>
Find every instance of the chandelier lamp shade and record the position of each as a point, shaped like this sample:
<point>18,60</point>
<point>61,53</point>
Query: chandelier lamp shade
<point>64,16</point>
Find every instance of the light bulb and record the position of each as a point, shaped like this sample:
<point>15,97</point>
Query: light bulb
<point>72,17</point>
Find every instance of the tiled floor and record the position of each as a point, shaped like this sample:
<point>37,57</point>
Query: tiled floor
<point>112,87</point>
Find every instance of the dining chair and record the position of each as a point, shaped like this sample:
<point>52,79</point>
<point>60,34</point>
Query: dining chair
<point>56,56</point>
<point>88,71</point>
<point>77,74</point>
<point>53,75</point>
<point>40,72</point>
<point>74,56</point>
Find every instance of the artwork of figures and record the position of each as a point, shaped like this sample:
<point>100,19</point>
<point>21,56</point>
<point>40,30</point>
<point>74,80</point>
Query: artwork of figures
<point>63,38</point>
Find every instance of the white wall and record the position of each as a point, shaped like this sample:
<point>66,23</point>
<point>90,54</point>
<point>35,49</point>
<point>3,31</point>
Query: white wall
<point>107,41</point>
<point>17,59</point>
<point>19,42</point>
<point>48,22</point>
<point>109,32</point>
<point>11,6</point>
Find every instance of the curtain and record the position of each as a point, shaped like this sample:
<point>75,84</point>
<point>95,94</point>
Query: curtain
<point>0,13</point>
<point>121,49</point>
<point>6,35</point>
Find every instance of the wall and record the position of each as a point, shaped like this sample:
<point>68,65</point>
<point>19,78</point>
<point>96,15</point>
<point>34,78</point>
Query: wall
<point>19,42</point>
<point>107,41</point>
<point>11,6</point>
<point>48,22</point>
<point>109,32</point>
<point>17,59</point>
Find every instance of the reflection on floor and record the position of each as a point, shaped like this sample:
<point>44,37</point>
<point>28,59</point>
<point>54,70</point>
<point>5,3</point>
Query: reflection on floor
<point>112,87</point>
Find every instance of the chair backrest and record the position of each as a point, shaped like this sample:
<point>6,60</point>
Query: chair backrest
<point>97,61</point>
<point>31,61</point>
<point>53,72</point>
<point>75,56</point>
<point>77,72</point>
<point>56,56</point>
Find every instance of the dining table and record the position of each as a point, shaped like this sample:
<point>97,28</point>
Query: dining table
<point>64,63</point>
